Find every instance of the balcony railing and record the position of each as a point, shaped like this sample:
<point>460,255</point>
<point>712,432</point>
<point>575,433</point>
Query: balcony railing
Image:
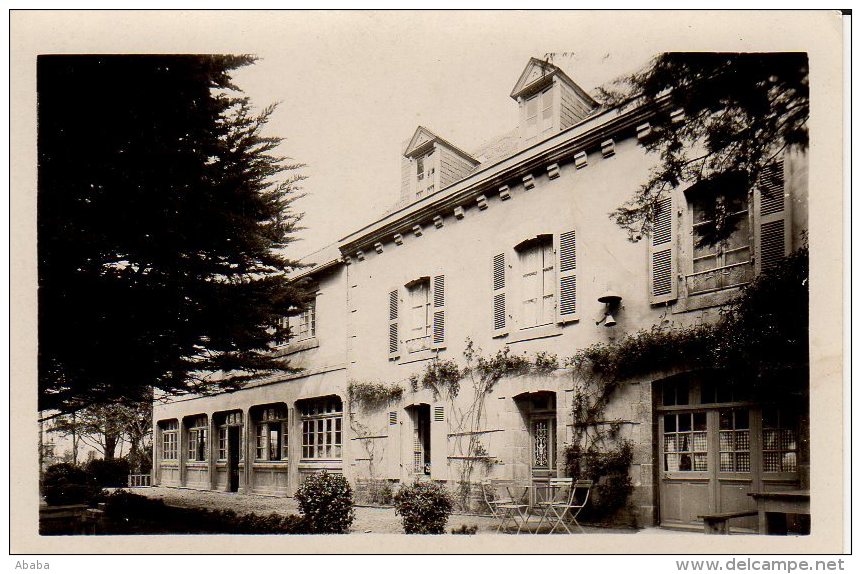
<point>719,278</point>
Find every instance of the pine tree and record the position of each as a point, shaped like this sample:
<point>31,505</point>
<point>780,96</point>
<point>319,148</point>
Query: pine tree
<point>163,212</point>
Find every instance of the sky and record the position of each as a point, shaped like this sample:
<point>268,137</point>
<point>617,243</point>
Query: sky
<point>353,86</point>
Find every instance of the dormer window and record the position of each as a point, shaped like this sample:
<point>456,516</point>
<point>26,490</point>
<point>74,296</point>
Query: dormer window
<point>549,101</point>
<point>424,153</point>
<point>539,116</point>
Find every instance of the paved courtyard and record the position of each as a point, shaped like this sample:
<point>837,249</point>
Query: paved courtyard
<point>368,519</point>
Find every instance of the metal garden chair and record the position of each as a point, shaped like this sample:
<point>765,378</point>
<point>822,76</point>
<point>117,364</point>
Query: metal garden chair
<point>568,499</point>
<point>504,507</point>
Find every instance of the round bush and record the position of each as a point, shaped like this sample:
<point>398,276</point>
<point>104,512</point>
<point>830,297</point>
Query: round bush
<point>424,507</point>
<point>326,503</point>
<point>66,483</point>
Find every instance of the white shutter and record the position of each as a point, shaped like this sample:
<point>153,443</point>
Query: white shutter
<point>438,310</point>
<point>394,335</point>
<point>771,208</point>
<point>439,444</point>
<point>663,284</point>
<point>500,312</point>
<point>566,266</point>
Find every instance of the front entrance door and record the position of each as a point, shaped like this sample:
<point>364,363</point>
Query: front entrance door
<point>233,433</point>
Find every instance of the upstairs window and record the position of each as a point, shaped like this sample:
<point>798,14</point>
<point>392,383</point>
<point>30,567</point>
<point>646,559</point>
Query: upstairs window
<point>537,271</point>
<point>299,327</point>
<point>725,263</point>
<point>418,331</point>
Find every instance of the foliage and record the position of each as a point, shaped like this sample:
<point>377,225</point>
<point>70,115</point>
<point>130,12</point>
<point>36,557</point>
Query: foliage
<point>128,513</point>
<point>163,214</point>
<point>761,339</point>
<point>545,362</point>
<point>68,484</point>
<point>373,395</point>
<point>464,529</point>
<point>608,468</point>
<point>326,502</point>
<point>446,379</point>
<point>424,507</point>
<point>380,492</point>
<point>741,111</point>
<point>109,472</point>
<point>105,427</point>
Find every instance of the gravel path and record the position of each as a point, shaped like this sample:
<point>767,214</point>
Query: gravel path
<point>368,519</point>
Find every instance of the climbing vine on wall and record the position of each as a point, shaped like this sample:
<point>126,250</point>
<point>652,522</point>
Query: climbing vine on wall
<point>473,383</point>
<point>367,398</point>
<point>760,340</point>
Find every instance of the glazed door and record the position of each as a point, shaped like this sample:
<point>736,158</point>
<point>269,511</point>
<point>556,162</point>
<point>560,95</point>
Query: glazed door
<point>706,466</point>
<point>542,431</point>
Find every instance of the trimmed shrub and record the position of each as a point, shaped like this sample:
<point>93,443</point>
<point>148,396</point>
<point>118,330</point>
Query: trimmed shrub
<point>464,529</point>
<point>326,503</point>
<point>424,507</point>
<point>109,473</point>
<point>132,513</point>
<point>66,483</point>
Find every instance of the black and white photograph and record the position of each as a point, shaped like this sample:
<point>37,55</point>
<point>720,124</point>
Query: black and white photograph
<point>417,281</point>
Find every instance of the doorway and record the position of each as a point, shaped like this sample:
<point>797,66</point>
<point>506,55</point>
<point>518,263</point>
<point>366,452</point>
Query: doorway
<point>233,441</point>
<point>421,442</point>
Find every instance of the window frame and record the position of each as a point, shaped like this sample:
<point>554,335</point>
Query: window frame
<point>197,431</point>
<point>544,245</point>
<point>169,440</point>
<point>319,418</point>
<point>269,419</point>
<point>720,253</point>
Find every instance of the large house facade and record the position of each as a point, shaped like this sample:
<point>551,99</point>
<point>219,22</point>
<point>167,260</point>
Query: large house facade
<point>510,246</point>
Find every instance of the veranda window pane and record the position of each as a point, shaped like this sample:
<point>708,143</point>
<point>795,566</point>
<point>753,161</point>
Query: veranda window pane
<point>743,462</point>
<point>700,462</point>
<point>684,422</point>
<point>670,422</point>
<point>699,421</point>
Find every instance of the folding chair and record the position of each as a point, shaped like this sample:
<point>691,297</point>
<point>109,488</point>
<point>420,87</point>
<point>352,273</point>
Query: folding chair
<point>569,498</point>
<point>506,507</point>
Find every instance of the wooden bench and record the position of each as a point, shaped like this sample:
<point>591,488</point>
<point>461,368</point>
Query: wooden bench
<point>719,523</point>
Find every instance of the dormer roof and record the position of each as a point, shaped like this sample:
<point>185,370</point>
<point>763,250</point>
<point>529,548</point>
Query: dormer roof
<point>424,139</point>
<point>538,74</point>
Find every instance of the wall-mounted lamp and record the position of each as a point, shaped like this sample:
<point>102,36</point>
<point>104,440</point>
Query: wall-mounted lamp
<point>611,300</point>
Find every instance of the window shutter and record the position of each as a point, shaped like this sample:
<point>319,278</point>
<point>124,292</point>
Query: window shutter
<point>772,237</point>
<point>500,314</point>
<point>394,335</point>
<point>438,310</point>
<point>566,267</point>
<point>439,444</point>
<point>663,285</point>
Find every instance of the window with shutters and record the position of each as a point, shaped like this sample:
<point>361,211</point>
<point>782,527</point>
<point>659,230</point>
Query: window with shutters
<point>725,263</point>
<point>418,329</point>
<point>416,318</point>
<point>537,278</point>
<point>732,235</point>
